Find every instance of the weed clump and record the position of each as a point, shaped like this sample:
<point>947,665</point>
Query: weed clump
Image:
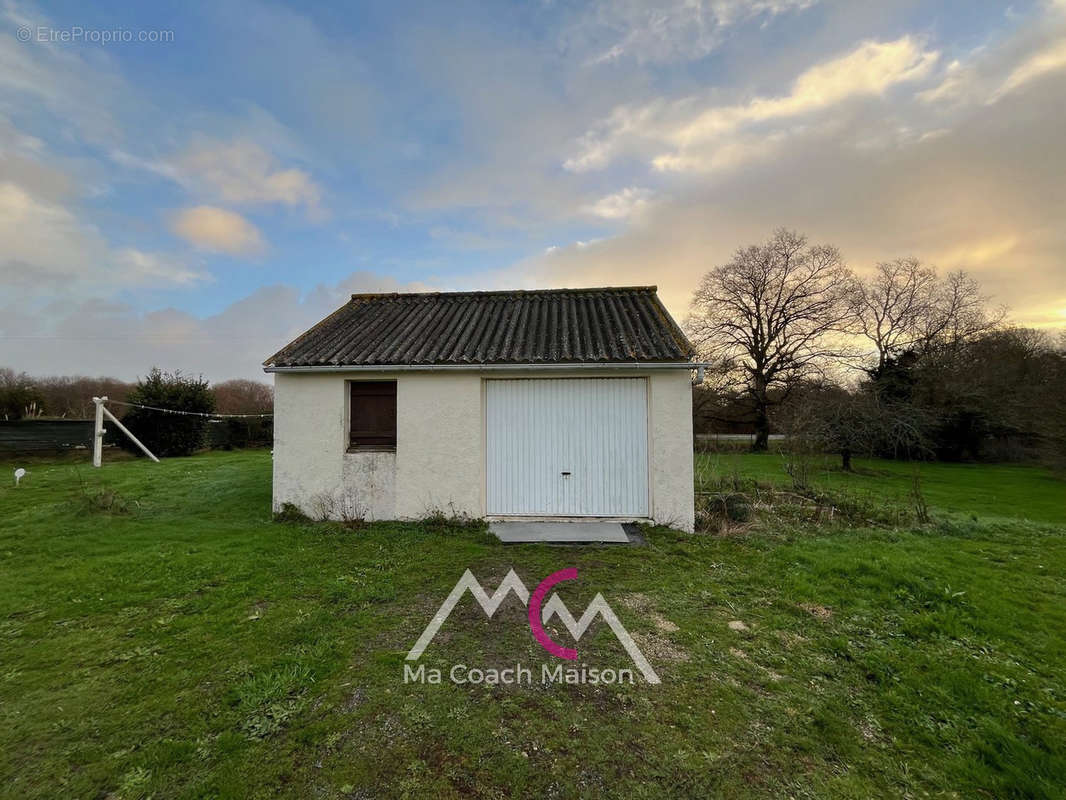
<point>719,510</point>
<point>440,520</point>
<point>106,501</point>
<point>727,503</point>
<point>291,513</point>
<point>269,700</point>
<point>99,500</point>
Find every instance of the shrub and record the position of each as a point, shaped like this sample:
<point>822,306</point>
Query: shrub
<point>104,501</point>
<point>19,396</point>
<point>169,434</point>
<point>98,500</point>
<point>716,511</point>
<point>291,513</point>
<point>232,434</point>
<point>449,520</point>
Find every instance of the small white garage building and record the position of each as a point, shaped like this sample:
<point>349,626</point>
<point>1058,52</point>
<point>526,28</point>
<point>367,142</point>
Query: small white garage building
<point>553,404</point>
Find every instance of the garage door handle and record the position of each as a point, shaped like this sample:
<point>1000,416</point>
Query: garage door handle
<point>565,474</point>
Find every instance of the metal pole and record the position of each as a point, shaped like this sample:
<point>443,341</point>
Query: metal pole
<point>126,431</point>
<point>98,431</point>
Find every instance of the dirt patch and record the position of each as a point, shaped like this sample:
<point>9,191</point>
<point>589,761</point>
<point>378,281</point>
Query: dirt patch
<point>643,604</point>
<point>736,652</point>
<point>663,624</point>
<point>353,701</point>
<point>659,648</point>
<point>790,639</point>
<point>815,610</point>
<point>870,732</point>
<point>636,601</point>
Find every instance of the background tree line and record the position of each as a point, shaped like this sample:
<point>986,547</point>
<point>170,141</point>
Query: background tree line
<point>70,396</point>
<point>901,363</point>
<point>64,397</point>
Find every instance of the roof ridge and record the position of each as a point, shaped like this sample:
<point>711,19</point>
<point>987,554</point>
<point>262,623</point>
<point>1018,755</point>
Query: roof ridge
<point>504,292</point>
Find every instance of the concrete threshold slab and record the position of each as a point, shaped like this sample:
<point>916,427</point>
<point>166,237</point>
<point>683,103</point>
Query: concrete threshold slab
<point>511,532</point>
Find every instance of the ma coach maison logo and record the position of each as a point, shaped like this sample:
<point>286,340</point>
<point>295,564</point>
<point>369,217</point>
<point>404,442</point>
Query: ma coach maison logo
<point>539,613</point>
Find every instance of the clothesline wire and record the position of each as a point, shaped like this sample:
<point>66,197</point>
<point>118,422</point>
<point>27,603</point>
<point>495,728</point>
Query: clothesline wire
<point>190,413</point>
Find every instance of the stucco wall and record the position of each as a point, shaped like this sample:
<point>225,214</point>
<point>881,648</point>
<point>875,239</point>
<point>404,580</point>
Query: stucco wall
<point>439,459</point>
<point>368,486</point>
<point>439,465</point>
<point>308,439</point>
<point>670,426</point>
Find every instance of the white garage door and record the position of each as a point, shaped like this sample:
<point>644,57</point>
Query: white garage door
<point>567,447</point>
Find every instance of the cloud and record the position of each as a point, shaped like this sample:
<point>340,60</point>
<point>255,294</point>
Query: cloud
<point>728,152</point>
<point>139,268</point>
<point>990,72</point>
<point>1050,59</point>
<point>621,205</point>
<point>38,179</point>
<point>47,251</point>
<point>600,145</point>
<point>83,338</point>
<point>242,173</point>
<point>47,247</point>
<point>667,30</point>
<point>1049,315</point>
<point>958,84</point>
<point>218,230</point>
<point>698,136</point>
<point>237,172</point>
<point>977,252</point>
<point>983,192</point>
<point>463,239</point>
<point>79,86</point>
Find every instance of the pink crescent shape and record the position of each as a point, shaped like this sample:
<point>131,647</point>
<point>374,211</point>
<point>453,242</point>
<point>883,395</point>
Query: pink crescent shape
<point>568,574</point>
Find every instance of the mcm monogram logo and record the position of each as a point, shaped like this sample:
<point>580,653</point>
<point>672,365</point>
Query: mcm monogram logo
<point>539,613</point>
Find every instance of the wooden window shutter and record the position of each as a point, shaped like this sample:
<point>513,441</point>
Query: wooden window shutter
<point>372,415</point>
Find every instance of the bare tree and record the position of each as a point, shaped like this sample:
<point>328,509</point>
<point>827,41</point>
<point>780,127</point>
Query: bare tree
<point>861,423</point>
<point>71,396</point>
<point>905,307</point>
<point>19,395</point>
<point>240,396</point>
<point>893,307</point>
<point>770,317</point>
<point>962,312</point>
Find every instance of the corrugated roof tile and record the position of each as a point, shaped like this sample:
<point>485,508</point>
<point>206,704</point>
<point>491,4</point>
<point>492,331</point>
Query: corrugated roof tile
<point>603,325</point>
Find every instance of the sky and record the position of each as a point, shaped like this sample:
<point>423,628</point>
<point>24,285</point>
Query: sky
<point>191,185</point>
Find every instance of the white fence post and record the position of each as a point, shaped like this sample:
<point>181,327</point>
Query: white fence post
<point>98,431</point>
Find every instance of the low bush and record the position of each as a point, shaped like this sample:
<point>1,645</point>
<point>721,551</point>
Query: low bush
<point>440,520</point>
<point>169,434</point>
<point>724,503</point>
<point>106,501</point>
<point>291,513</point>
<point>717,511</point>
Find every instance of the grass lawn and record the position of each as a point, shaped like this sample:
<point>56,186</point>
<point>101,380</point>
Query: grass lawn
<point>161,637</point>
<point>970,490</point>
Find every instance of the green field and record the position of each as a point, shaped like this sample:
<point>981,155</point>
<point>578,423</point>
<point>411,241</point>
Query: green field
<point>967,490</point>
<point>161,637</point>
